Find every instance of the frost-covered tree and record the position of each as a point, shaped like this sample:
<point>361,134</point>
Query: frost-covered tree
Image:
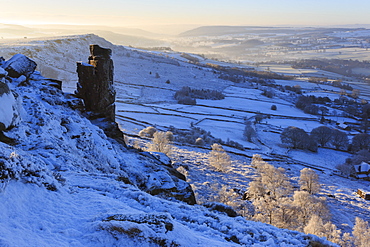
<point>285,216</point>
<point>339,139</point>
<point>361,233</point>
<point>148,132</point>
<point>279,212</point>
<point>218,158</point>
<point>275,181</point>
<point>160,143</point>
<point>225,195</point>
<point>307,205</point>
<point>265,208</point>
<point>256,189</point>
<point>270,192</point>
<point>328,230</point>
<point>333,234</point>
<point>346,240</point>
<point>309,181</point>
<point>322,135</point>
<point>271,196</point>
<point>256,160</point>
<point>169,136</point>
<point>314,226</point>
<point>270,180</point>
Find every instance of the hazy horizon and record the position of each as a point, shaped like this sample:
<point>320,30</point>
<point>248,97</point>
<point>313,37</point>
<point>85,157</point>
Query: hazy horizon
<point>166,15</point>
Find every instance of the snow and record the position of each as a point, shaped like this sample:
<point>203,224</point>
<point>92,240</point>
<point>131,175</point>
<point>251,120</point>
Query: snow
<point>85,166</point>
<point>3,73</point>
<point>7,103</point>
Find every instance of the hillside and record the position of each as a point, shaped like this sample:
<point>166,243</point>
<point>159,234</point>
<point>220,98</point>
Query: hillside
<point>66,161</point>
<point>64,182</point>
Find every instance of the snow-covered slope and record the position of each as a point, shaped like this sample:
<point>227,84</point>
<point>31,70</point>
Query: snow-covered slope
<point>65,183</point>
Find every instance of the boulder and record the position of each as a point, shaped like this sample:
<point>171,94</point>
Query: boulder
<point>166,182</point>
<point>19,65</point>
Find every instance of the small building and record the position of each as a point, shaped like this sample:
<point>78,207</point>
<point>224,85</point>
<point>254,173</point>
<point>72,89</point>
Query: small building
<point>364,194</point>
<point>362,171</point>
<point>343,125</point>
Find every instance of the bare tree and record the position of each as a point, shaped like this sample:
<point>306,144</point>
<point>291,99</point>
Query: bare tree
<point>218,158</point>
<point>249,132</point>
<point>360,141</point>
<point>361,156</point>
<point>339,139</point>
<point>294,137</point>
<point>365,116</point>
<point>258,118</point>
<point>346,169</point>
<point>309,181</point>
<point>322,135</point>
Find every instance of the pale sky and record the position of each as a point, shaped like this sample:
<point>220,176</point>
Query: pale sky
<point>199,12</point>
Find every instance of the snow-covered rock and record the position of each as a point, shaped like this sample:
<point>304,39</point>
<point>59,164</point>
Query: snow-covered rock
<point>19,65</point>
<point>8,104</point>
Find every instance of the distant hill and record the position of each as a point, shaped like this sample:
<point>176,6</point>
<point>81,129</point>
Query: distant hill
<point>92,28</point>
<point>129,40</point>
<point>229,30</point>
<point>15,31</point>
<point>117,35</point>
<point>214,31</point>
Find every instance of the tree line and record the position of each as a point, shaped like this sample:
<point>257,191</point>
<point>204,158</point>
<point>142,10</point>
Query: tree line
<point>323,136</point>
